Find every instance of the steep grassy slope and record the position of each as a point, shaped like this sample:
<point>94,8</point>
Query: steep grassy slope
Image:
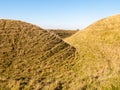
<point>98,66</point>
<point>64,33</point>
<point>32,58</point>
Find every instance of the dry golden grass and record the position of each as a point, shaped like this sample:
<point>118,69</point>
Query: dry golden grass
<point>98,45</point>
<point>32,58</point>
<point>35,59</point>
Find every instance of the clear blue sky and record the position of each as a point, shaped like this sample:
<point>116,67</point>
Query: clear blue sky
<point>66,14</point>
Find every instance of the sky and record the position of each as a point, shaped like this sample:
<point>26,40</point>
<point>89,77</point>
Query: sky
<point>59,14</point>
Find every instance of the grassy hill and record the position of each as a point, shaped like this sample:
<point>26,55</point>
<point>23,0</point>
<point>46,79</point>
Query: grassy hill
<point>35,59</point>
<point>98,45</point>
<point>32,58</point>
<point>64,33</point>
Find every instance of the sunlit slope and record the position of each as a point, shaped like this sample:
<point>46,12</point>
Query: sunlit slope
<point>32,58</point>
<point>98,45</point>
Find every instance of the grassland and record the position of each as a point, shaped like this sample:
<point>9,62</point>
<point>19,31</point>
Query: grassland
<point>98,45</point>
<point>63,33</point>
<point>32,58</point>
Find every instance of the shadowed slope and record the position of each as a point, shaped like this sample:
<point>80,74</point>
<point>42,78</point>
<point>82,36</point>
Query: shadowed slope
<point>64,33</point>
<point>98,45</point>
<point>31,58</point>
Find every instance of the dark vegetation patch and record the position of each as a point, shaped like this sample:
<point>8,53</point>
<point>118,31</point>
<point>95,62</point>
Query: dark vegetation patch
<point>64,33</point>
